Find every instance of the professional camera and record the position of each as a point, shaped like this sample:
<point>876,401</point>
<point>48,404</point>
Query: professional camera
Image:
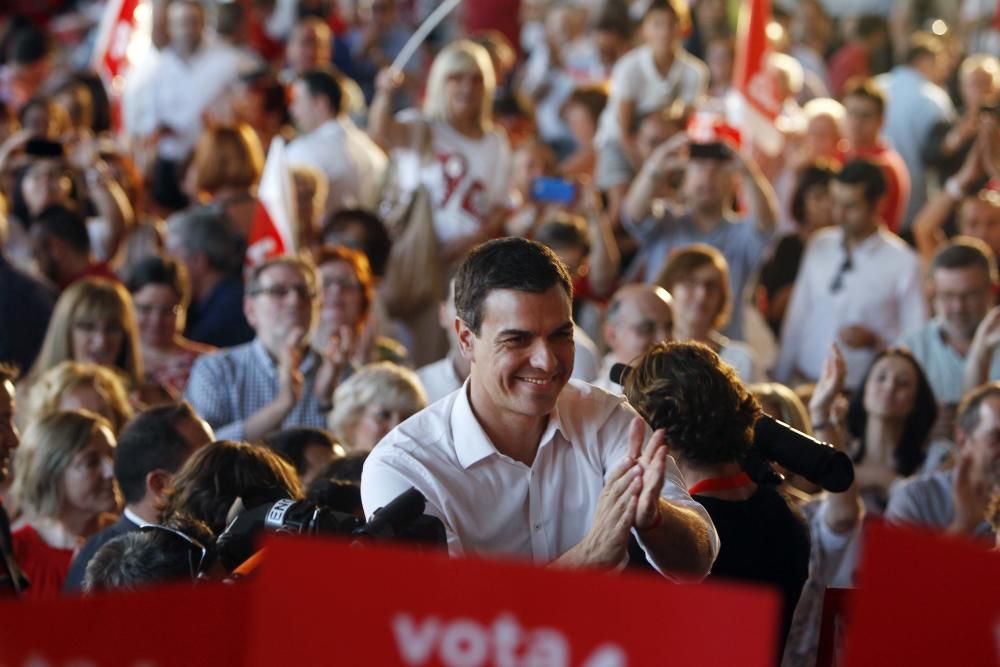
<point>402,520</point>
<point>795,451</point>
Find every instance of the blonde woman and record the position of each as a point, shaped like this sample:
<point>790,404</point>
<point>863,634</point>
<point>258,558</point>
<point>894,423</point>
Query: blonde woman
<point>63,487</point>
<point>452,148</point>
<point>73,385</point>
<point>372,402</point>
<point>93,322</point>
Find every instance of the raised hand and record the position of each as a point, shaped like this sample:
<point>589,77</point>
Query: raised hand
<point>290,378</point>
<point>652,461</point>
<point>829,385</point>
<point>606,543</point>
<point>970,492</point>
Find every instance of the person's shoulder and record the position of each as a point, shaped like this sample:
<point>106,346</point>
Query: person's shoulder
<point>899,248</point>
<point>692,63</point>
<point>918,493</point>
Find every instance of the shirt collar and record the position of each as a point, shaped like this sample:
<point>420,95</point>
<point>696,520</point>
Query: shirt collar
<point>471,442</point>
<point>135,518</point>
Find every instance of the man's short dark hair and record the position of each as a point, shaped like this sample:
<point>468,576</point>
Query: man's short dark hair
<point>967,415</point>
<point>564,231</point>
<point>28,45</point>
<point>964,252</point>
<point>706,412</point>
<point>66,225</point>
<point>150,556</point>
<point>866,173</point>
<point>376,243</point>
<point>160,270</point>
<point>290,444</point>
<point>321,81</point>
<point>812,176</point>
<point>865,88</point>
<point>150,441</point>
<point>869,25</point>
<point>509,263</point>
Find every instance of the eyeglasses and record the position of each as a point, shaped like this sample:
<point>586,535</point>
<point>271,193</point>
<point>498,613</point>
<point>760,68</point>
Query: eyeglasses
<point>838,280</point>
<point>647,328</point>
<point>194,547</point>
<point>345,284</point>
<point>279,292</point>
<point>147,309</point>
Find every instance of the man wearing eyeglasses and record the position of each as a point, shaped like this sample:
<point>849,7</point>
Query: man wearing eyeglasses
<point>859,285</point>
<point>276,380</point>
<point>639,317</point>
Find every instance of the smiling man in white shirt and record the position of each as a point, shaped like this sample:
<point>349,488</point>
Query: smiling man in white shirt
<point>523,461</point>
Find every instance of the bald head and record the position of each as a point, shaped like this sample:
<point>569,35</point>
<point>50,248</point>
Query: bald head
<point>639,316</point>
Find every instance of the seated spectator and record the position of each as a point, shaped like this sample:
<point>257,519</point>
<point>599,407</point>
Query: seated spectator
<point>346,320</point>
<point>372,402</point>
<point>277,380</point>
<point>151,449</point>
<point>61,248</point>
<point>698,280</point>
<point>639,316</point>
<point>581,112</point>
<point>955,501</point>
<point>447,374</point>
<point>182,550</point>
<point>224,173</point>
<point>309,450</point>
<point>889,420</point>
<point>362,230</point>
<point>63,489</point>
<point>707,417</point>
<point>161,294</point>
<point>203,242</point>
<point>211,480</point>
<point>72,385</point>
<point>93,322</point>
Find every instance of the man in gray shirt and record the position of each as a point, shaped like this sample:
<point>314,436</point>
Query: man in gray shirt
<point>955,501</point>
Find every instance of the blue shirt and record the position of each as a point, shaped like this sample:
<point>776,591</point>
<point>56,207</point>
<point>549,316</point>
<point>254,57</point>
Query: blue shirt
<point>219,319</point>
<point>28,303</point>
<point>229,386</point>
<point>739,241</point>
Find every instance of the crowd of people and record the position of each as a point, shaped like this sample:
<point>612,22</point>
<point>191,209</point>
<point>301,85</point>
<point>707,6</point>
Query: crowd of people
<point>481,237</point>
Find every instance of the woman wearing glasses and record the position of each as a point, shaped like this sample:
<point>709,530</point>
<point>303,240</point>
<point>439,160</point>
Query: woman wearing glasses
<point>63,488</point>
<point>93,322</point>
<point>160,296</point>
<point>698,280</point>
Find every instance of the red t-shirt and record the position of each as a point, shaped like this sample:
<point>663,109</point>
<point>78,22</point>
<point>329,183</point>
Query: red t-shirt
<point>45,566</point>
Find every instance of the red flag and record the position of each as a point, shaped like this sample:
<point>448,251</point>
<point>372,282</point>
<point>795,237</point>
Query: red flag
<point>123,38</point>
<point>273,230</point>
<point>757,90</point>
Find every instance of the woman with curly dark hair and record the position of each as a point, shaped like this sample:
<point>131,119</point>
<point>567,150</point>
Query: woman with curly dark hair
<point>889,421</point>
<point>708,417</point>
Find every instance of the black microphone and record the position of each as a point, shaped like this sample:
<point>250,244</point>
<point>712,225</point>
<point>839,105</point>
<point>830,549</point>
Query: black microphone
<point>392,519</point>
<point>803,455</point>
<point>619,372</point>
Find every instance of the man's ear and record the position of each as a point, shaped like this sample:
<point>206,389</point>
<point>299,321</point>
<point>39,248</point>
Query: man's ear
<point>157,482</point>
<point>466,339</point>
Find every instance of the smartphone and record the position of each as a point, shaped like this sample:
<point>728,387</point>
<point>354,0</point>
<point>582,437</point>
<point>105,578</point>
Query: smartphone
<point>715,150</point>
<point>553,191</point>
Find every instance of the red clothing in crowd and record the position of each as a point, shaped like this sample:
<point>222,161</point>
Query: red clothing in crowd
<point>850,61</point>
<point>45,566</point>
<point>94,270</point>
<point>897,182</point>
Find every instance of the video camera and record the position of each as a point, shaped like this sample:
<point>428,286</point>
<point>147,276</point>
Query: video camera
<point>776,441</point>
<point>402,520</point>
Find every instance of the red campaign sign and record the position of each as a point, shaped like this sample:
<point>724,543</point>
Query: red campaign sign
<point>322,601</point>
<point>924,599</point>
<point>166,626</point>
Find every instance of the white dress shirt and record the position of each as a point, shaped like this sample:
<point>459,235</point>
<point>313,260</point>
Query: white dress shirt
<point>354,165</point>
<point>492,504</point>
<point>881,291</point>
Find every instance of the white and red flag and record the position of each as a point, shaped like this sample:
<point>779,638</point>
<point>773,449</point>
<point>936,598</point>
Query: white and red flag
<point>274,220</point>
<point>755,86</point>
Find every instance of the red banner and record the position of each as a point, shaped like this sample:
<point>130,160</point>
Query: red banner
<point>385,606</point>
<point>924,599</point>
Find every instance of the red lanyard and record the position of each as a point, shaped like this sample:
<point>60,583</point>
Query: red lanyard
<point>721,483</point>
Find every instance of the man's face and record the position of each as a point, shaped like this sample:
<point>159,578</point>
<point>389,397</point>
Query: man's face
<point>659,31</point>
<point>282,302</point>
<point>851,210</point>
<point>643,320</point>
<point>308,47</point>
<point>980,220</point>
<point>523,355</point>
<point>864,122</point>
<point>305,108</point>
<point>185,23</point>
<point>961,299</point>
<point>706,183</point>
<point>984,441</point>
<point>8,431</point>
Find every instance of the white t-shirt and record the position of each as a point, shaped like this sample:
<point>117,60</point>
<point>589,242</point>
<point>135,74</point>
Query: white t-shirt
<point>492,504</point>
<point>466,178</point>
<point>635,78</point>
